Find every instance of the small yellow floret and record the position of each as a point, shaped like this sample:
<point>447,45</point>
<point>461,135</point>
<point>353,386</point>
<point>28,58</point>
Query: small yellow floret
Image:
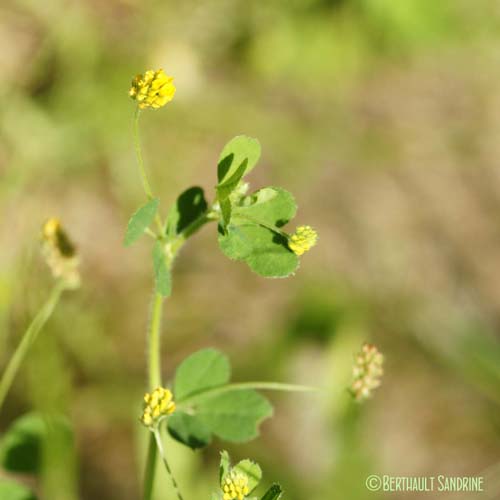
<point>158,404</point>
<point>154,89</point>
<point>235,486</point>
<point>304,238</point>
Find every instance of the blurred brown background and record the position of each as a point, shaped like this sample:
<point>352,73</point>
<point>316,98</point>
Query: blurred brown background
<point>381,116</point>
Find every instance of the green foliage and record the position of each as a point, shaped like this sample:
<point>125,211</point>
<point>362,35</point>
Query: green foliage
<point>163,278</point>
<point>21,445</point>
<point>252,470</point>
<point>239,151</point>
<point>234,415</point>
<point>189,206</point>
<point>208,404</point>
<point>254,235</point>
<point>200,371</point>
<point>140,220</point>
<point>189,429</point>
<point>225,463</point>
<point>238,158</point>
<point>273,493</point>
<point>270,206</point>
<point>11,490</point>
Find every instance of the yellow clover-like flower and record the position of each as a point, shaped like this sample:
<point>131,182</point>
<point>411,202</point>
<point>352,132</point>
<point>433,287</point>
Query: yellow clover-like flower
<point>154,89</point>
<point>235,486</point>
<point>158,404</point>
<point>304,238</point>
<point>60,253</point>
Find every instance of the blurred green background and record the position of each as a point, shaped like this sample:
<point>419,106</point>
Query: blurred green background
<point>381,116</point>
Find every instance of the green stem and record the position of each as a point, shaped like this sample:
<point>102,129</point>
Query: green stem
<point>149,473</point>
<point>178,241</point>
<point>159,443</point>
<point>154,380</point>
<point>154,354</point>
<point>144,178</point>
<point>142,170</point>
<point>265,386</point>
<point>28,338</point>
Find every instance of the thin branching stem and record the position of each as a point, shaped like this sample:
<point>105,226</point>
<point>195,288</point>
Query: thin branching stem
<point>29,337</point>
<point>159,443</point>
<point>241,386</point>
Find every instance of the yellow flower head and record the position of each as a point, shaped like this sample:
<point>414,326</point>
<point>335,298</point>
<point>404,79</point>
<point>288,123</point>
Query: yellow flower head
<point>235,486</point>
<point>304,238</point>
<point>60,253</point>
<point>158,404</point>
<point>153,89</point>
<point>367,372</point>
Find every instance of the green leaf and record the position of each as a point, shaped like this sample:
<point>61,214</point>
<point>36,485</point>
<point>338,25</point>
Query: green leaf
<point>252,470</point>
<point>11,490</point>
<point>163,278</point>
<point>225,189</point>
<point>189,206</point>
<point>140,220</point>
<point>225,464</point>
<point>201,390</point>
<point>270,206</point>
<point>253,235</point>
<point>241,149</point>
<point>273,493</point>
<point>189,429</point>
<point>21,445</point>
<point>202,370</point>
<point>264,250</point>
<point>235,415</point>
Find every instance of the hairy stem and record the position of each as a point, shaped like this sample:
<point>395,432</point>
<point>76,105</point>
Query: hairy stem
<point>159,443</point>
<point>29,337</point>
<point>142,170</point>
<point>137,143</point>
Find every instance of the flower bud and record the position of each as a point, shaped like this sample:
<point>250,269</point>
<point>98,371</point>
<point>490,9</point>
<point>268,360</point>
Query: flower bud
<point>60,253</point>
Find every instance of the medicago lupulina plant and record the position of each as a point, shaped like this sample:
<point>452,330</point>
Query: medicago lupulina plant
<point>202,402</point>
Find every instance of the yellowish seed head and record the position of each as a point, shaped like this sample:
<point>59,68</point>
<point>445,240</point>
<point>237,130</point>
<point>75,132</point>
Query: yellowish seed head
<point>60,253</point>
<point>154,89</point>
<point>304,238</point>
<point>157,405</point>
<point>367,372</point>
